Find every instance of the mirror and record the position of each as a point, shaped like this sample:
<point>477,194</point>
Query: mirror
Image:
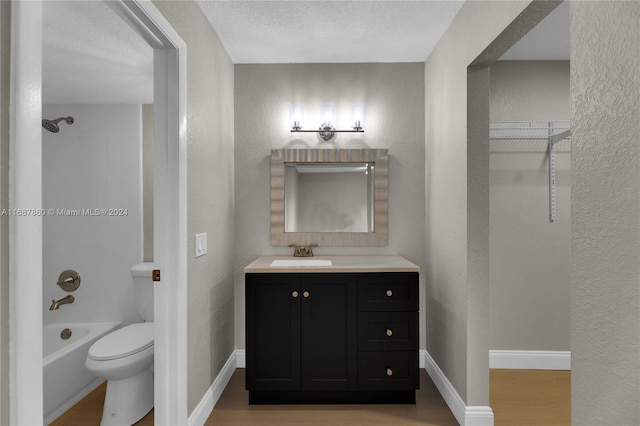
<point>329,197</point>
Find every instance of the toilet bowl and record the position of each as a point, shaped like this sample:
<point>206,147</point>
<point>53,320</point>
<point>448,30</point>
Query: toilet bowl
<point>125,358</point>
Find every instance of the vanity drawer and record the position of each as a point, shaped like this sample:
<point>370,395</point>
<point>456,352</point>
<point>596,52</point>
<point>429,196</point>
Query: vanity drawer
<point>387,331</point>
<point>388,370</point>
<point>388,292</point>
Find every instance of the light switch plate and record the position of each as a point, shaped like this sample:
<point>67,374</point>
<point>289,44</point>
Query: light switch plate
<point>201,244</point>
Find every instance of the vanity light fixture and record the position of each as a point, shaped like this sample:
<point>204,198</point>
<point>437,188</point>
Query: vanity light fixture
<point>357,116</point>
<point>326,129</point>
<point>296,114</point>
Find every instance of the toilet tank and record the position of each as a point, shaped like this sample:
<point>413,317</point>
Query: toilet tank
<point>143,287</point>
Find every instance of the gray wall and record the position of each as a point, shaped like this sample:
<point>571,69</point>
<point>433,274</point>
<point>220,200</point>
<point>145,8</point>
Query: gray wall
<point>5,39</point>
<point>106,174</point>
<point>530,258</point>
<point>209,196</point>
<point>394,99</point>
<point>457,306</point>
<point>605,235</point>
<point>530,90</point>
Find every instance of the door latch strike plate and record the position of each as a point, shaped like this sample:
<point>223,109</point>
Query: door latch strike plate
<point>156,274</point>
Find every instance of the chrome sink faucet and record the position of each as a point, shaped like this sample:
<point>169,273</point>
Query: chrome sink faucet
<point>303,251</point>
<point>55,304</point>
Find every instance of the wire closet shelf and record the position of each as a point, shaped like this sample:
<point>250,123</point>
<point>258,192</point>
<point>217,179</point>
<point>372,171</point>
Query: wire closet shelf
<point>513,130</point>
<point>551,131</point>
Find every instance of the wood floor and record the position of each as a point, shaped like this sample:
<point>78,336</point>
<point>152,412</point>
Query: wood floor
<point>530,397</point>
<point>88,411</point>
<point>517,397</point>
<point>232,410</point>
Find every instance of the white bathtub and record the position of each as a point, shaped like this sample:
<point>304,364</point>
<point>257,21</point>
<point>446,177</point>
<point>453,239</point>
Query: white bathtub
<point>66,380</point>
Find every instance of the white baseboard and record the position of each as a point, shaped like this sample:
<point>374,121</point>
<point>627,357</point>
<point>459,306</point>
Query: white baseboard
<point>466,415</point>
<point>478,416</point>
<point>241,358</point>
<point>204,408</point>
<point>530,360</point>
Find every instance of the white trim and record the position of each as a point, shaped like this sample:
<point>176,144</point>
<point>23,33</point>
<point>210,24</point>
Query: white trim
<point>530,360</point>
<point>478,416</point>
<point>25,232</point>
<point>137,24</point>
<point>170,207</point>
<point>204,408</point>
<point>241,358</point>
<point>446,389</point>
<point>466,415</point>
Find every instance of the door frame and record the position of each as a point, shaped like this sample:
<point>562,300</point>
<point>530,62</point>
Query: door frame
<point>478,208</point>
<point>170,211</point>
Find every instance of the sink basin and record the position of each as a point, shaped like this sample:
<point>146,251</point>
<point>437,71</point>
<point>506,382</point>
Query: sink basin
<point>301,262</point>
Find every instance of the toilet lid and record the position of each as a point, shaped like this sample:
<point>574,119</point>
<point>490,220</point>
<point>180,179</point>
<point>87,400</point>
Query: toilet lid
<point>123,342</point>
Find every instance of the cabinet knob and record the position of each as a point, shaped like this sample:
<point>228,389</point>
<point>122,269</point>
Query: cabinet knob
<point>389,372</point>
<point>305,293</point>
<point>389,332</point>
<point>294,293</point>
<point>389,293</point>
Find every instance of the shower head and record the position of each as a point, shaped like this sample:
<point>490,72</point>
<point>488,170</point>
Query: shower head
<point>52,125</point>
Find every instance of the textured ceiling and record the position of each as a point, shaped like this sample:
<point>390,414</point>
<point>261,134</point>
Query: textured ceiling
<point>329,31</point>
<point>91,56</point>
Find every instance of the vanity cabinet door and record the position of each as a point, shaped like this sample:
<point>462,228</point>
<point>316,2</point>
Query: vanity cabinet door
<point>273,331</point>
<point>329,332</point>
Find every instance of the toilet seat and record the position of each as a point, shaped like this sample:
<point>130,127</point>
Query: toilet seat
<point>123,342</point>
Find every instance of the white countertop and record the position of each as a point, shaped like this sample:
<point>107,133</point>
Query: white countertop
<point>360,263</point>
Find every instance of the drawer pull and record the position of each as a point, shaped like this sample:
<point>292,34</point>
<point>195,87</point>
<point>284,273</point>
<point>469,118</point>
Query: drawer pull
<point>305,293</point>
<point>294,293</point>
<point>389,293</point>
<point>389,332</point>
<point>389,372</point>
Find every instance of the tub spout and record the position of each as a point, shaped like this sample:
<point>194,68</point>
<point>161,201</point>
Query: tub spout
<point>55,304</point>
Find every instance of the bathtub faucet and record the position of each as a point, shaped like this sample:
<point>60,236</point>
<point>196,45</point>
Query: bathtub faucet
<point>55,304</point>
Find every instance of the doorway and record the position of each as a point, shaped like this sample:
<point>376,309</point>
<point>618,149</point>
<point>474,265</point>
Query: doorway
<point>92,186</point>
<point>530,227</point>
<point>494,199</point>
<point>26,259</point>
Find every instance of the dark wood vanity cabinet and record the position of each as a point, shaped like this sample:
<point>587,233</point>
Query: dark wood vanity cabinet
<point>331,337</point>
<point>388,331</point>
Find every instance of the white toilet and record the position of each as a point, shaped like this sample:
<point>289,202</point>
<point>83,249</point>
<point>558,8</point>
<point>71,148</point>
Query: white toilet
<point>125,358</point>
